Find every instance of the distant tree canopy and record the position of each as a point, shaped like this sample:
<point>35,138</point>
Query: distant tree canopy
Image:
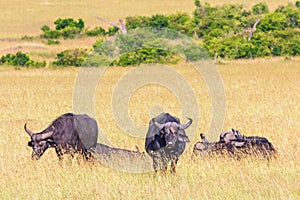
<point>66,28</point>
<point>69,28</point>
<point>224,30</point>
<point>227,31</point>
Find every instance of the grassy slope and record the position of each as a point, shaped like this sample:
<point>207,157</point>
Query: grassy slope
<point>261,95</point>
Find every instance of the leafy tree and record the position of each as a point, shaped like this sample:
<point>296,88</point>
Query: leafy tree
<point>180,22</point>
<point>159,21</point>
<point>137,22</point>
<point>74,57</point>
<point>260,8</point>
<point>68,22</point>
<point>273,21</point>
<point>292,14</point>
<point>66,28</point>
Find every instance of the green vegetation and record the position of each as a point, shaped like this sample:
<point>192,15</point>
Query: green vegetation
<point>227,30</point>
<point>20,60</point>
<point>69,28</point>
<point>147,45</point>
<point>66,28</point>
<point>71,57</point>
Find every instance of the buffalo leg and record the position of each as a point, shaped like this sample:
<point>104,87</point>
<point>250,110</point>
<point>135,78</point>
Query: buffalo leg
<point>159,162</point>
<point>59,153</point>
<point>173,165</point>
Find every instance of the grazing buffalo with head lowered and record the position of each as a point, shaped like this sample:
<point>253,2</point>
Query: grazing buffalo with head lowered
<point>68,133</point>
<point>165,140</point>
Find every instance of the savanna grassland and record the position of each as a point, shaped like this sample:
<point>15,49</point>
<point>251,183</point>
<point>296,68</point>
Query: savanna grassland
<point>262,98</point>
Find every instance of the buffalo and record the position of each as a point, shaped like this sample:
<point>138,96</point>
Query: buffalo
<point>227,136</point>
<point>166,140</point>
<point>206,148</point>
<point>235,144</point>
<point>122,159</point>
<point>69,133</point>
<point>256,145</point>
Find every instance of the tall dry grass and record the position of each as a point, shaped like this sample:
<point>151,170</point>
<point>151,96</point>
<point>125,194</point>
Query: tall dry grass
<point>262,99</point>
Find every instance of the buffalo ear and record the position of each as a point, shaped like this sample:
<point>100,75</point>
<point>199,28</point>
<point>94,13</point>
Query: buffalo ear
<point>183,138</point>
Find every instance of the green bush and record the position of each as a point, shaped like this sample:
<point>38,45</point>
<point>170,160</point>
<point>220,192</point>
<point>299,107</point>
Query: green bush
<point>292,14</point>
<point>66,28</point>
<point>273,21</point>
<point>74,57</point>
<point>20,59</point>
<point>146,56</point>
<point>137,22</point>
<point>51,34</point>
<point>45,28</point>
<point>180,22</point>
<point>52,42</point>
<point>69,22</point>
<point>97,31</point>
<point>159,21</point>
<point>112,31</point>
<point>133,49</point>
<point>276,43</point>
<point>70,32</point>
<point>222,29</point>
<point>260,8</point>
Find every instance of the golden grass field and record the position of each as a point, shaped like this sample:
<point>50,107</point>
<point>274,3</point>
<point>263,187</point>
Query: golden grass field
<point>262,98</point>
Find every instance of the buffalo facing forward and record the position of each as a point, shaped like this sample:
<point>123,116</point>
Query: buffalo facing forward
<point>68,133</point>
<point>165,140</point>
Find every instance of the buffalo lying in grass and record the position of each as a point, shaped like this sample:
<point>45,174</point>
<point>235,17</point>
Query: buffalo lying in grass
<point>255,145</point>
<point>234,144</point>
<point>68,133</point>
<point>206,148</point>
<point>122,159</point>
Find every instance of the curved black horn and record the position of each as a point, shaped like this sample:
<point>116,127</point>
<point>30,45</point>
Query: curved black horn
<point>30,133</point>
<point>184,126</point>
<point>160,126</point>
<point>44,135</point>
